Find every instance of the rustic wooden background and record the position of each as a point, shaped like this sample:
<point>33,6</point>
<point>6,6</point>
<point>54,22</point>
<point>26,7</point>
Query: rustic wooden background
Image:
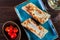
<point>7,13</point>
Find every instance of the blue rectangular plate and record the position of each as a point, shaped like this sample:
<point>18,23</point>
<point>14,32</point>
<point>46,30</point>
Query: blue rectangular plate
<point>51,35</point>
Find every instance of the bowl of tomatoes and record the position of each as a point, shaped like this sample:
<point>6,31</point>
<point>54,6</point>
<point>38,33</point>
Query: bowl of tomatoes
<point>11,31</point>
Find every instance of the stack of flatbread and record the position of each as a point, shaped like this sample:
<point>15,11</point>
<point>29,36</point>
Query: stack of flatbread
<point>39,16</point>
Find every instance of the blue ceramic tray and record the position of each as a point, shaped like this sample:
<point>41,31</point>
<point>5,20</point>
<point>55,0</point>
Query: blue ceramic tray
<point>51,35</point>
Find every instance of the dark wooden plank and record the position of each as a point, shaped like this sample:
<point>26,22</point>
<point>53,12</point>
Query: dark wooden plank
<point>10,3</point>
<point>7,13</point>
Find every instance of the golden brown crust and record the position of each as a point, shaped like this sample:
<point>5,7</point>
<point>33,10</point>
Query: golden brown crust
<point>43,16</point>
<point>36,29</point>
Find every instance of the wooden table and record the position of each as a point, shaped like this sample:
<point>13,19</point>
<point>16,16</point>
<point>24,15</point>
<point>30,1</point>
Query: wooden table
<point>7,13</point>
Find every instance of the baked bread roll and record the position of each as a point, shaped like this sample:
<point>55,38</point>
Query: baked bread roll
<point>36,13</point>
<point>38,30</point>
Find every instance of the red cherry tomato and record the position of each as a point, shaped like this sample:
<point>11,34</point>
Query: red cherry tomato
<point>14,35</point>
<point>11,27</point>
<point>7,29</point>
<point>9,33</point>
<point>15,30</point>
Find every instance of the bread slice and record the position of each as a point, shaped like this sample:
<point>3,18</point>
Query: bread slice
<point>38,30</point>
<point>36,13</point>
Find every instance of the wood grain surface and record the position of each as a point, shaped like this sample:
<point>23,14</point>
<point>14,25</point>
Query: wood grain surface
<point>7,13</point>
